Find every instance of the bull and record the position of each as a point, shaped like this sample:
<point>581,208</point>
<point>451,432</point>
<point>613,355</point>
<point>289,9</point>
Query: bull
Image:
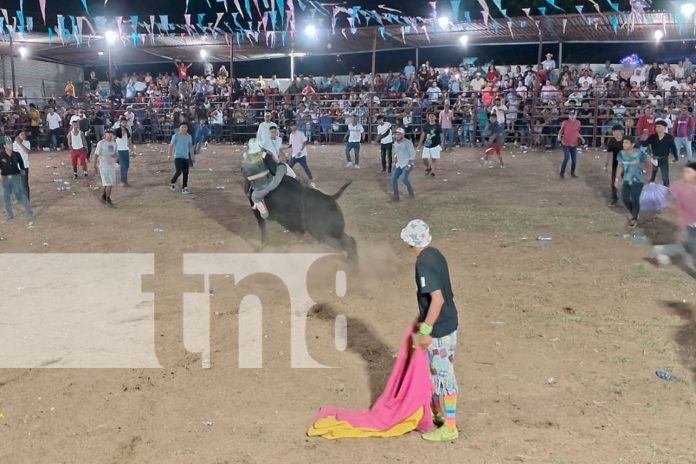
<point>302,209</point>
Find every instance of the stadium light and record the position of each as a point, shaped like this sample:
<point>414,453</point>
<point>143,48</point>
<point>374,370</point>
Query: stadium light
<point>688,9</point>
<point>100,53</point>
<point>443,21</point>
<point>463,40</point>
<point>311,31</point>
<point>659,35</point>
<point>110,37</point>
<point>204,54</point>
<point>23,52</point>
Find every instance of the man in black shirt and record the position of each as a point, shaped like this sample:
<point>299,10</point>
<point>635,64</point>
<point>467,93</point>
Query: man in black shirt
<point>662,144</point>
<point>614,146</point>
<point>430,143</point>
<point>98,123</point>
<point>11,169</point>
<point>436,326</point>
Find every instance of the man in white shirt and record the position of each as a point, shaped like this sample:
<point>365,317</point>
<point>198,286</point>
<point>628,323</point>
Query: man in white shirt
<point>105,164</point>
<point>53,121</point>
<point>638,77</point>
<point>353,139</point>
<point>434,93</point>
<point>274,145</point>
<point>78,149</point>
<point>263,134</point>
<point>216,123</point>
<point>549,64</point>
<point>22,146</point>
<point>130,118</point>
<point>273,85</point>
<point>298,144</point>
<point>669,83</point>
<point>585,79</point>
<point>384,135</point>
<point>478,83</point>
<point>207,68</point>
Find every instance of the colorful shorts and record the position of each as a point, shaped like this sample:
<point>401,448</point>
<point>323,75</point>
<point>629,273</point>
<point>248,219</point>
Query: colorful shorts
<point>441,355</point>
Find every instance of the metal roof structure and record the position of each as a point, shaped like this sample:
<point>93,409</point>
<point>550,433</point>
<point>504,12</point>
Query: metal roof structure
<point>595,28</point>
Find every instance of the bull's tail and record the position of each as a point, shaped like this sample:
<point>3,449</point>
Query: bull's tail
<point>338,194</point>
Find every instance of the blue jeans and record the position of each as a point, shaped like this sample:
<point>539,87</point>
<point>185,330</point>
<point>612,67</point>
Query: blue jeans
<point>680,142</point>
<point>449,138</point>
<point>353,146</point>
<point>13,184</point>
<point>124,162</point>
<point>467,134</point>
<point>569,153</point>
<point>302,162</point>
<point>395,180</point>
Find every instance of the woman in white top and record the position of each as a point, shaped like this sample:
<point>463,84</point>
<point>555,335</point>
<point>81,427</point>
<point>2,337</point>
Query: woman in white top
<point>123,143</point>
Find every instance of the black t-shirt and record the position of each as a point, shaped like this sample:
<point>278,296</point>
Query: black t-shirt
<point>93,83</point>
<point>614,146</point>
<point>98,118</point>
<point>432,135</point>
<point>432,274</point>
<point>660,148</point>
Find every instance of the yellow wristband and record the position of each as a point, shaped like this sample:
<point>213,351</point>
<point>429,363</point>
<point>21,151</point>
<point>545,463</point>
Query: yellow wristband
<point>425,329</point>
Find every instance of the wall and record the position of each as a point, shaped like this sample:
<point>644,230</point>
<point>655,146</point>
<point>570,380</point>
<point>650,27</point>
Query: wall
<point>40,78</point>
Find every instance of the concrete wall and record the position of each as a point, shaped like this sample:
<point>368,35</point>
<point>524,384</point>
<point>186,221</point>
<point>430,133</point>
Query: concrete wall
<point>40,78</point>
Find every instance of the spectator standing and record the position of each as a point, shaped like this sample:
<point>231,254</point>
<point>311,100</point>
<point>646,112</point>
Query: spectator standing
<point>614,147</point>
<point>98,122</point>
<point>217,119</point>
<point>404,158</point>
<point>409,71</point>
<point>445,119</point>
<point>11,169</point>
<point>386,140</point>
<point>353,139</point>
<point>263,133</point>
<point>274,145</point>
<point>494,133</point>
<point>430,143</point>
<point>181,146</point>
<point>298,144</point>
<point>22,146</point>
<point>77,144</point>
<point>633,162</point>
<point>684,133</point>
<point>35,125</point>
<point>105,156</point>
<point>569,136</point>
<point>124,144</point>
<point>54,123</point>
<point>70,93</point>
<point>202,135</point>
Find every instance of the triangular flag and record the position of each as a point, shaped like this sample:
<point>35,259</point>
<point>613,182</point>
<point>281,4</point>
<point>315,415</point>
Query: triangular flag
<point>542,10</point>
<point>509,23</point>
<point>455,10</point>
<point>219,18</point>
<point>247,7</point>
<point>553,4</point>
<point>239,8</point>
<point>42,6</point>
<point>565,23</point>
<point>467,16</point>
<point>84,4</point>
<point>485,17</point>
<point>579,8</point>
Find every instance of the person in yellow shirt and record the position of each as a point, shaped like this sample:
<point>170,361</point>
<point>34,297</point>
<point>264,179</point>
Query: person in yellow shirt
<point>35,125</point>
<point>70,92</point>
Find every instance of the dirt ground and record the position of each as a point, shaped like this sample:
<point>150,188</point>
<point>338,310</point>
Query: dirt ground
<point>559,340</point>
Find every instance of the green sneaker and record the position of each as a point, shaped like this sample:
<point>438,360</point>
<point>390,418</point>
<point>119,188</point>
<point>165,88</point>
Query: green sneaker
<point>441,434</point>
<point>438,419</point>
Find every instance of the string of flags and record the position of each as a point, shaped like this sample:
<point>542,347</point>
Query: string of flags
<point>274,20</point>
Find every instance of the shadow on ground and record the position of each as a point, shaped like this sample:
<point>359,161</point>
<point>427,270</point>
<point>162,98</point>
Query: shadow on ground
<point>685,335</point>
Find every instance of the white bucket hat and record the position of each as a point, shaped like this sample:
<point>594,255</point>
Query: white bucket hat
<point>416,234</point>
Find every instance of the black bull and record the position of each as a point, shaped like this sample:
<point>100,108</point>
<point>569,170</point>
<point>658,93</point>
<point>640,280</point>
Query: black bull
<point>302,209</point>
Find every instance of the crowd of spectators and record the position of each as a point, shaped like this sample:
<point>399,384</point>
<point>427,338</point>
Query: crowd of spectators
<point>530,102</point>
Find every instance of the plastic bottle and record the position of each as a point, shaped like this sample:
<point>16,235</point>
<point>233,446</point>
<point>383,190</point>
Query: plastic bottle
<point>664,375</point>
<point>544,239</point>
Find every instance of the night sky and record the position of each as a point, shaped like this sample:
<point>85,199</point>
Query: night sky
<point>387,60</point>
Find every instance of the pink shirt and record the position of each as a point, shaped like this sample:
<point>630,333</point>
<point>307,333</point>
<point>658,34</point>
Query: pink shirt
<point>297,140</point>
<point>571,133</point>
<point>445,119</point>
<point>684,203</point>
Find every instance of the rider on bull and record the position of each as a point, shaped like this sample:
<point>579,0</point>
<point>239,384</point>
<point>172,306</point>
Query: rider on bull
<point>264,173</point>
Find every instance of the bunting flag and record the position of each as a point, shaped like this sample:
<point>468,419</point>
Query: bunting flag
<point>523,24</point>
<point>20,19</point>
<point>613,6</point>
<point>30,24</point>
<point>84,4</point>
<point>50,36</point>
<point>343,31</point>
<point>225,3</point>
<point>239,37</point>
<point>526,11</point>
<point>281,8</point>
<point>119,19</point>
<point>553,4</point>
<point>266,5</point>
<point>403,34</point>
<point>247,7</point>
<point>303,5</point>
<point>164,21</point>
<point>236,20</point>
<point>187,18</point>
<point>256,5</point>
<point>152,26</point>
<point>433,6</point>
<point>239,7</point>
<point>381,32</point>
<point>283,35</point>
<point>579,8</point>
<point>218,19</point>
<point>100,23</point>
<point>351,22</point>
<point>425,31</point>
<point>467,16</point>
<point>134,22</point>
<point>455,10</point>
<point>485,17</point>
<point>134,36</point>
<point>565,23</point>
<point>42,6</point>
<point>596,5</point>
<point>186,8</point>
<point>509,23</point>
<point>542,10</point>
<point>615,24</point>
<point>21,6</point>
<point>384,7</point>
<point>274,19</point>
<point>496,26</point>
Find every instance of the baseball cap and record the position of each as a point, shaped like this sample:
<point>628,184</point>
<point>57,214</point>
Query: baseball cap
<point>400,130</point>
<point>661,123</point>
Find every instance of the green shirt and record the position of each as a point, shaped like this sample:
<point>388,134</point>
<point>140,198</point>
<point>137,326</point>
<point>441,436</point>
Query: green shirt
<point>432,274</point>
<point>633,165</point>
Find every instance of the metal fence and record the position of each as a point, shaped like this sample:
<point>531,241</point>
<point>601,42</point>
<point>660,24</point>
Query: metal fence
<point>530,118</point>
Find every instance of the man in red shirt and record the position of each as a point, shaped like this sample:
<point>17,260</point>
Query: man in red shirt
<point>646,123</point>
<point>569,135</point>
<point>183,69</point>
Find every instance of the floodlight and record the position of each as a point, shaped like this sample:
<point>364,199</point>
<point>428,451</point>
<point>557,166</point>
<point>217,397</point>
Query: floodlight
<point>110,37</point>
<point>659,35</point>
<point>443,21</point>
<point>204,54</point>
<point>23,52</point>
<point>688,9</point>
<point>463,40</point>
<point>310,31</point>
